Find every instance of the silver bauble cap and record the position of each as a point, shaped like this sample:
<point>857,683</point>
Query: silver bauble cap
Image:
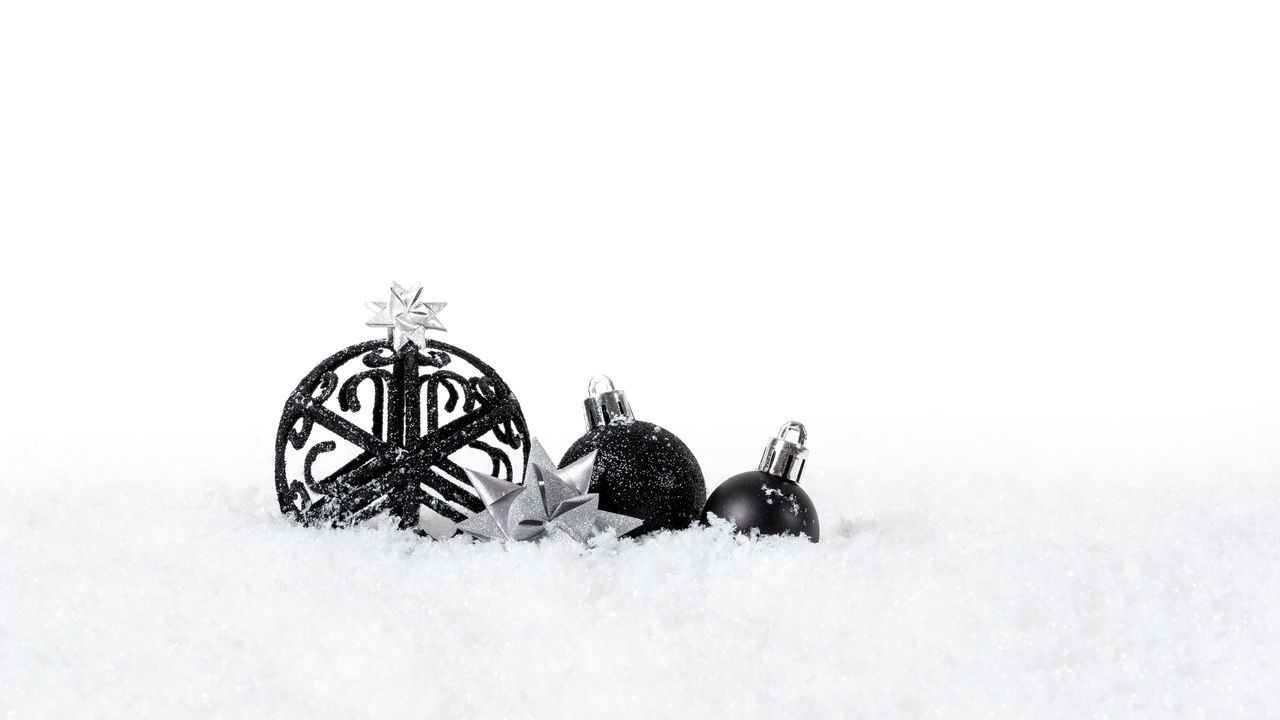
<point>784,458</point>
<point>605,404</point>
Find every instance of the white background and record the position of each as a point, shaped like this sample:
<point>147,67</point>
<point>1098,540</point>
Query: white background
<point>971,245</point>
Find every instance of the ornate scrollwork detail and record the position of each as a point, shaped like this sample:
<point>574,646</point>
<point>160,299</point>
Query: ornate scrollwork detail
<point>349,398</point>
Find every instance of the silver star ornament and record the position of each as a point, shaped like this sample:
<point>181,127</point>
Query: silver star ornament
<point>406,316</point>
<point>550,502</point>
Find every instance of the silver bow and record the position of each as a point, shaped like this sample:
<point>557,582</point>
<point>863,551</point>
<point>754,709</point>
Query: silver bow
<point>550,501</point>
<point>407,316</point>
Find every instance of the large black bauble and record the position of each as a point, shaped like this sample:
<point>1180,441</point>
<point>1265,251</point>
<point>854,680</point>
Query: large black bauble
<point>773,505</point>
<point>644,471</point>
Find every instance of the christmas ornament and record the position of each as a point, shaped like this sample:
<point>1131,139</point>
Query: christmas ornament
<point>550,501</point>
<point>770,499</point>
<point>385,427</point>
<point>642,470</point>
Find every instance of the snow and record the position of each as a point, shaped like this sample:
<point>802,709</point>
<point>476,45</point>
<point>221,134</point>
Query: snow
<point>941,587</point>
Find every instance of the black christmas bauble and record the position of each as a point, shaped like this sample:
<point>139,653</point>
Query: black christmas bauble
<point>756,500</point>
<point>769,500</point>
<point>642,470</point>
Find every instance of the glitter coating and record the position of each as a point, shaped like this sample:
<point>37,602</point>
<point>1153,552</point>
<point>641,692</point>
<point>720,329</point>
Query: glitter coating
<point>644,471</point>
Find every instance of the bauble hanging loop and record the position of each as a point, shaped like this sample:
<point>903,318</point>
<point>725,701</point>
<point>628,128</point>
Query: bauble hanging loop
<point>605,406</point>
<point>769,500</point>
<point>784,458</point>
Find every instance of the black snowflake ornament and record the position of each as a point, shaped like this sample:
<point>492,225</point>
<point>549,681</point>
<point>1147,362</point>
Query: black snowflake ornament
<point>384,428</point>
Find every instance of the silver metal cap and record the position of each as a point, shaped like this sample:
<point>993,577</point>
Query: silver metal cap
<point>784,458</point>
<point>605,404</point>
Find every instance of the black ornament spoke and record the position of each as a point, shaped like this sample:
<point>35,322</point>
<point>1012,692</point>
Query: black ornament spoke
<point>345,429</point>
<point>454,490</point>
<point>445,508</point>
<point>344,474</point>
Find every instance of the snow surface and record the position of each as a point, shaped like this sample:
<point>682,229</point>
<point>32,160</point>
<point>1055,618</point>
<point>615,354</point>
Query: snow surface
<point>940,588</point>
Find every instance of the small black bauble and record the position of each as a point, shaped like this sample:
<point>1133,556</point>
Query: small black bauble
<point>642,470</point>
<point>770,499</point>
